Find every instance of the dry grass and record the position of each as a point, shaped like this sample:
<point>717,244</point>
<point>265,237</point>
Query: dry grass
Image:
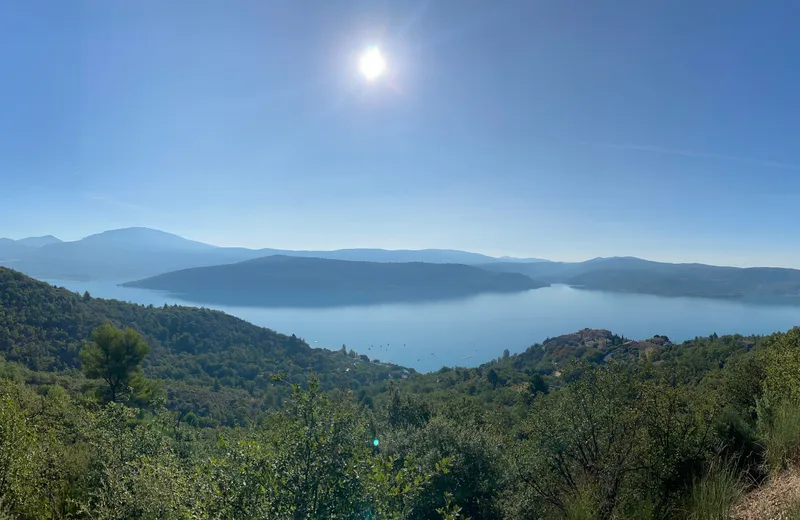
<point>777,499</point>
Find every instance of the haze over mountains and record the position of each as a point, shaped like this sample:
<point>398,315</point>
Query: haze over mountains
<point>135,253</point>
<point>38,241</point>
<point>248,276</point>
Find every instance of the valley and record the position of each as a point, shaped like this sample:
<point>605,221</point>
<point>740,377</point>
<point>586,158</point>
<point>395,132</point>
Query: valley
<point>399,260</point>
<point>459,365</point>
<point>216,398</point>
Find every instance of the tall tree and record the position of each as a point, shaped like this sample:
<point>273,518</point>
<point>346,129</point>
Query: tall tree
<point>115,356</point>
<point>493,378</point>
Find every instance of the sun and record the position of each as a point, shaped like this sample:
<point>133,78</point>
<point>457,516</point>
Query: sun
<point>372,63</point>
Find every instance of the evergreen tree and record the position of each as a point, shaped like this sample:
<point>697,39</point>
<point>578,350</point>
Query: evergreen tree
<point>493,378</point>
<point>115,356</point>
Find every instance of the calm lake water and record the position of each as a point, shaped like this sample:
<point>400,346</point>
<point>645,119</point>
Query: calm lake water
<point>469,332</point>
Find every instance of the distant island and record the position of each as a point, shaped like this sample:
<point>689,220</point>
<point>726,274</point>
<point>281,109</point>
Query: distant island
<point>288,281</point>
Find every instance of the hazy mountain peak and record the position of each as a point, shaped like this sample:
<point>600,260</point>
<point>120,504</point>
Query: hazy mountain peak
<point>145,237</point>
<point>39,241</point>
<point>506,258</point>
<point>616,258</point>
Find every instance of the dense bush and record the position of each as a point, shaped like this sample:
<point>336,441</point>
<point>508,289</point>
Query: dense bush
<point>315,459</point>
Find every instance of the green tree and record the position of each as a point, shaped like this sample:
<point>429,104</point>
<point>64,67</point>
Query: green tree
<point>493,378</point>
<point>115,356</point>
<point>134,470</point>
<point>19,457</point>
<point>782,365</point>
<point>403,411</point>
<point>582,443</point>
<point>463,435</point>
<point>538,385</point>
<point>314,459</point>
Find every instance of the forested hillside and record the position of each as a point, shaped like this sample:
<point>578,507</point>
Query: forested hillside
<point>178,413</point>
<point>210,362</point>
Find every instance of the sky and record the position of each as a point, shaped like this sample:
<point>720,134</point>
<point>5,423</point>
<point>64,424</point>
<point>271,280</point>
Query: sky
<point>566,130</point>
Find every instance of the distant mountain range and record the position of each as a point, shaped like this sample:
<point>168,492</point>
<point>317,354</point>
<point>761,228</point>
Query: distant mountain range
<point>628,274</point>
<point>286,281</point>
<point>133,253</point>
<point>38,241</point>
<point>124,255</point>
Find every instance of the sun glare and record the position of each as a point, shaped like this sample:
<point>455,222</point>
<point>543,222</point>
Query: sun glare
<point>372,63</point>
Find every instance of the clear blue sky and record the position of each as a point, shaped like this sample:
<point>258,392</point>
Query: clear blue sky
<point>567,130</point>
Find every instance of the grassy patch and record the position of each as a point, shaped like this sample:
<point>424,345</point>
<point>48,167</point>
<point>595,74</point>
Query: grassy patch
<point>780,434</point>
<point>714,495</point>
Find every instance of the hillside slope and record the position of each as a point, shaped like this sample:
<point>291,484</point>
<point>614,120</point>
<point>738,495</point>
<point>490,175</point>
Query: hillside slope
<point>509,434</point>
<point>193,349</point>
<point>292,281</point>
<point>517,377</point>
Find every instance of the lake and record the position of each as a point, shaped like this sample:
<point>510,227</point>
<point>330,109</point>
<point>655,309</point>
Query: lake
<point>471,331</point>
